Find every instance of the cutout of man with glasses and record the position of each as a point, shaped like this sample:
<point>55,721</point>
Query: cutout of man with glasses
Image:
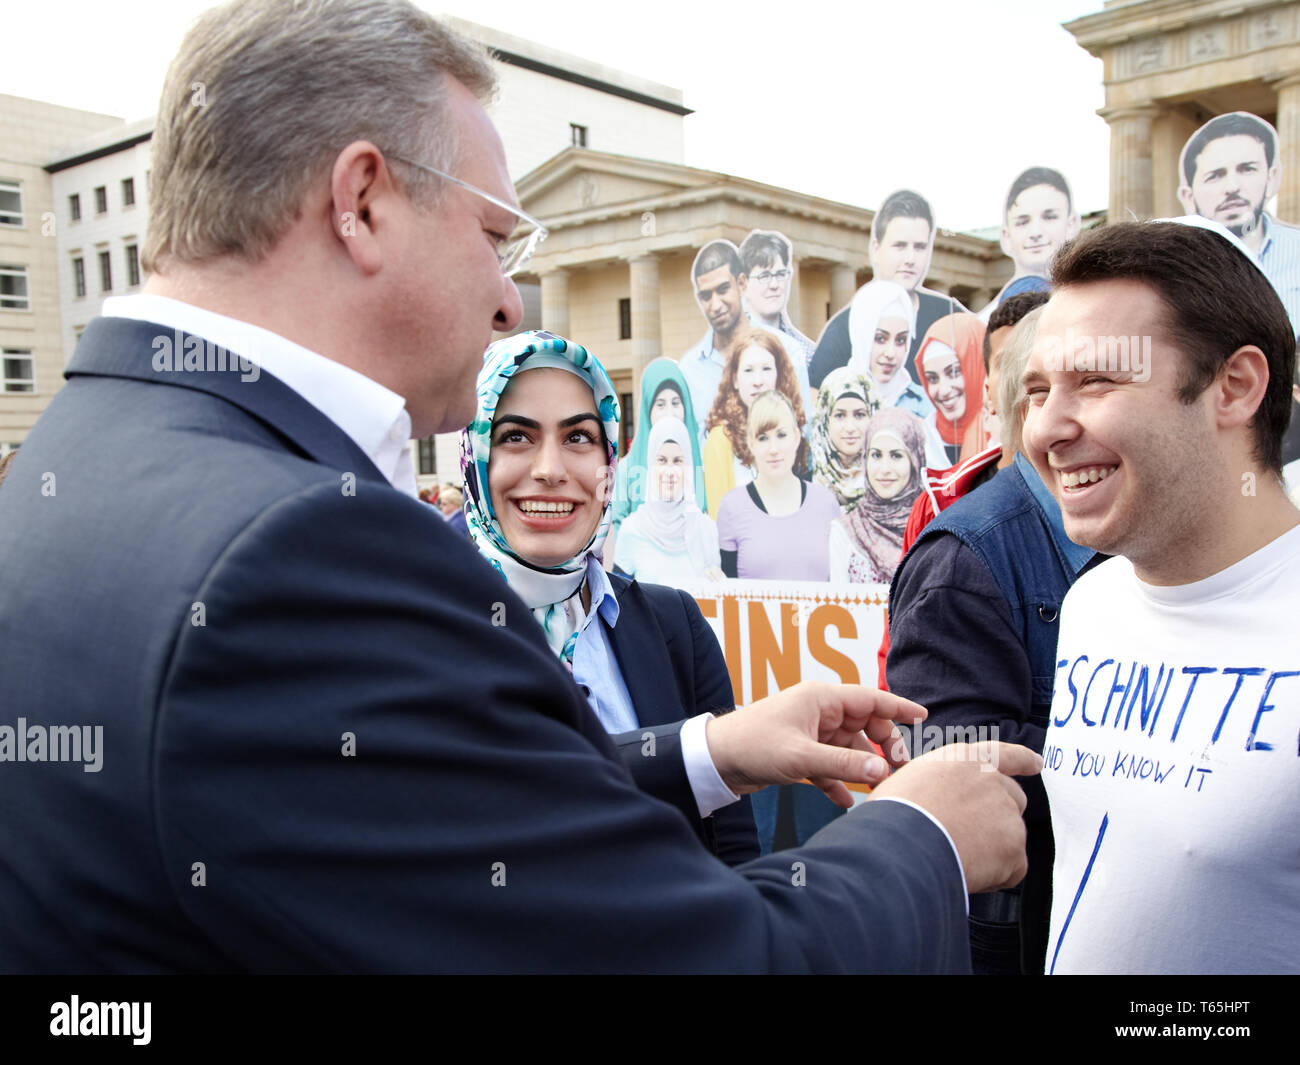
<point>768,259</point>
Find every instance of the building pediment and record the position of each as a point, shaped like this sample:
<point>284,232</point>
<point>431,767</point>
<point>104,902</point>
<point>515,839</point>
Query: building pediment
<point>578,180</point>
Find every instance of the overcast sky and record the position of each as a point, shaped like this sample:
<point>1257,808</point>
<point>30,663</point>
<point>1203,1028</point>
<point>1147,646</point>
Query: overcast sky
<point>949,97</point>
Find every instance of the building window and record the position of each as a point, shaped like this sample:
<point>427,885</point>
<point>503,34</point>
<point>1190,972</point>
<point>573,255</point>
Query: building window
<point>578,135</point>
<point>624,319</point>
<point>132,265</point>
<point>11,203</point>
<point>13,289</point>
<point>627,425</point>
<point>105,272</point>
<point>19,370</point>
<point>79,276</point>
<point>101,199</point>
<point>74,206</point>
<point>428,456</point>
<point>128,192</point>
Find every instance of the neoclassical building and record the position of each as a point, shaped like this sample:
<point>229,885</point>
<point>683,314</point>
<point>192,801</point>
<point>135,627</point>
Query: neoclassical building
<point>1172,65</point>
<point>615,271</point>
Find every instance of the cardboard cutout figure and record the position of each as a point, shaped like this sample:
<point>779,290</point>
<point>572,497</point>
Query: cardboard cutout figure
<point>664,394</point>
<point>950,367</point>
<point>902,242</point>
<point>1038,217</point>
<point>757,366</point>
<point>768,259</point>
<point>1229,171</point>
<point>718,280</point>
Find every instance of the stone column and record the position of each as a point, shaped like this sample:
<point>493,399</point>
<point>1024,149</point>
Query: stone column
<point>643,273</point>
<point>1132,190</point>
<point>844,282</point>
<point>555,302</point>
<point>1288,135</point>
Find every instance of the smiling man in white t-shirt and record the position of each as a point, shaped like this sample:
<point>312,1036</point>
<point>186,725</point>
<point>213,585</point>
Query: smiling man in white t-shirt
<point>1158,394</point>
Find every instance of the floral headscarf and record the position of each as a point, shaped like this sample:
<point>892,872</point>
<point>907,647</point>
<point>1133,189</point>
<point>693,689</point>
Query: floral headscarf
<point>829,469</point>
<point>553,594</point>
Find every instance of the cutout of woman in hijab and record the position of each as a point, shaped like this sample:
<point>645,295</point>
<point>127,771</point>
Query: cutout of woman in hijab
<point>866,545</point>
<point>845,403</point>
<point>668,539</point>
<point>951,367</point>
<point>882,324</point>
<point>664,393</point>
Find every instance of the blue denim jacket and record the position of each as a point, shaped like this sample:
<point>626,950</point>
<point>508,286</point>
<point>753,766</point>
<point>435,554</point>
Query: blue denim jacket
<point>1013,525</point>
<point>1004,523</point>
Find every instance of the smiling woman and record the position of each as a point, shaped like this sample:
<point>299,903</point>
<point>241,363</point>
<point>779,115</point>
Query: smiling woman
<point>845,401</point>
<point>950,364</point>
<point>538,460</point>
<point>669,539</point>
<point>758,363</point>
<point>775,527</point>
<point>541,444</point>
<point>866,545</point>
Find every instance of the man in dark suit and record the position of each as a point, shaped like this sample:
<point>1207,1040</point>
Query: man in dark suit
<point>332,738</point>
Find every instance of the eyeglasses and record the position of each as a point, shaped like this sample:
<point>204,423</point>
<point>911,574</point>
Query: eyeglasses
<point>512,253</point>
<point>764,276</point>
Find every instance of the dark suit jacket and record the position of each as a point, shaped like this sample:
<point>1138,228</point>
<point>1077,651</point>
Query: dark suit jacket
<point>673,667</point>
<point>334,740</point>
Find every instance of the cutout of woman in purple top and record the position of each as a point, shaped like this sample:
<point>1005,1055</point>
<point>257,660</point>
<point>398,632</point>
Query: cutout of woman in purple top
<point>776,527</point>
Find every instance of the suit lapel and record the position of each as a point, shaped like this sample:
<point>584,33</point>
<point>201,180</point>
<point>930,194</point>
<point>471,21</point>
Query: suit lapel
<point>124,347</point>
<point>638,644</point>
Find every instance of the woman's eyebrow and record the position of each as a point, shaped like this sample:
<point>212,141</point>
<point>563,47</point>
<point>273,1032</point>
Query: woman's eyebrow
<point>517,419</point>
<point>530,423</point>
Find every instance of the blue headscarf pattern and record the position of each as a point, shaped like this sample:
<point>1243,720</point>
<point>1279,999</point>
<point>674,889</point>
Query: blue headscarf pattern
<point>549,592</point>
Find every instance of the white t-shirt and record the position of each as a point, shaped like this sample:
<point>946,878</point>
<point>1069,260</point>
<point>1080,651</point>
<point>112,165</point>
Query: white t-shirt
<point>1172,770</point>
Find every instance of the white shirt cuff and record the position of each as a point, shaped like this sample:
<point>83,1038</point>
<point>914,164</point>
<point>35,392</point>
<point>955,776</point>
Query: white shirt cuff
<point>936,821</point>
<point>707,787</point>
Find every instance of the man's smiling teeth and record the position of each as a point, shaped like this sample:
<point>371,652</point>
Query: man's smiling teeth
<point>529,506</point>
<point>1089,476</point>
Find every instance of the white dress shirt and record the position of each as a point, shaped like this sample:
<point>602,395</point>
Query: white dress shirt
<point>372,415</point>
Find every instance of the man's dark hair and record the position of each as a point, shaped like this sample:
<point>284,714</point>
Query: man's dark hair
<point>1236,124</point>
<point>1009,312</point>
<point>715,254</point>
<point>1216,300</point>
<point>1039,175</point>
<point>763,248</point>
<point>901,204</point>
